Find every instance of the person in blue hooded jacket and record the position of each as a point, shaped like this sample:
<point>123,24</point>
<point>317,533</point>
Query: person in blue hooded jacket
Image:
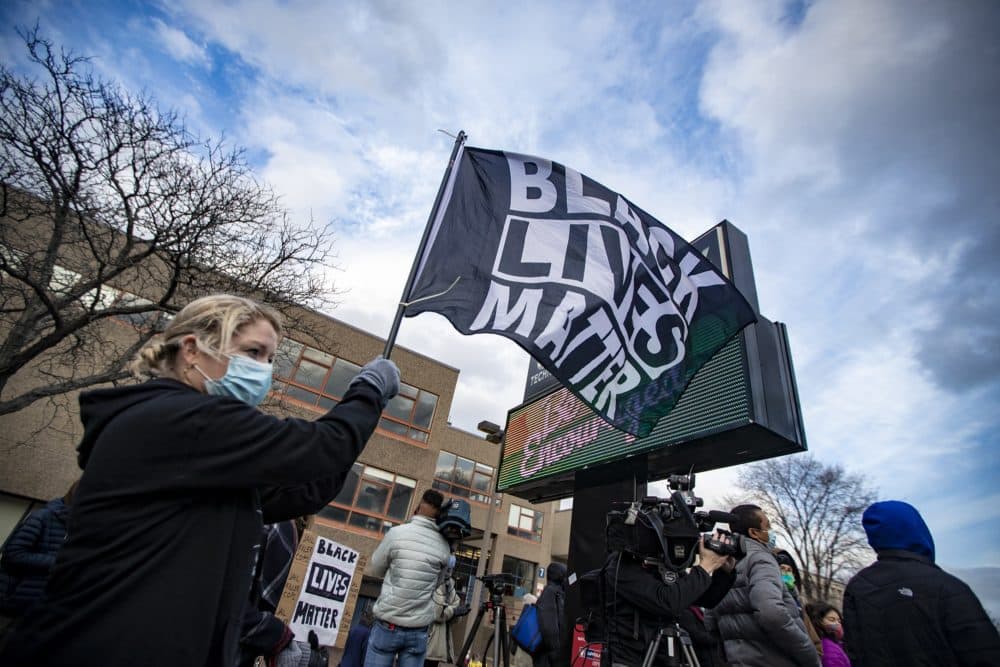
<point>905,610</point>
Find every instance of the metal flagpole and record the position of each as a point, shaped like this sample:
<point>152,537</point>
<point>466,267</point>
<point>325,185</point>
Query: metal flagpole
<point>391,339</point>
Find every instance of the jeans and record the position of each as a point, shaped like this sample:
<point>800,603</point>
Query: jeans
<point>385,644</point>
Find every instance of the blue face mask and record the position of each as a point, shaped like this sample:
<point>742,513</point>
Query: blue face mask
<point>772,539</point>
<point>245,380</point>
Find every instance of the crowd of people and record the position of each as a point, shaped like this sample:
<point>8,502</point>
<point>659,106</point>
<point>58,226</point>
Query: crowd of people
<point>175,544</point>
<point>901,611</point>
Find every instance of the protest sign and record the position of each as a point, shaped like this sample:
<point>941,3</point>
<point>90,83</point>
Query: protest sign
<point>321,589</point>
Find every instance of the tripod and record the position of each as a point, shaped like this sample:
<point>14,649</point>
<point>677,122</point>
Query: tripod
<point>680,652</point>
<point>499,639</point>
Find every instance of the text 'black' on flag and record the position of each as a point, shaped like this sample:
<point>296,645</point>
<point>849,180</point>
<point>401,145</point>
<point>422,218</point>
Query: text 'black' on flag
<point>618,307</point>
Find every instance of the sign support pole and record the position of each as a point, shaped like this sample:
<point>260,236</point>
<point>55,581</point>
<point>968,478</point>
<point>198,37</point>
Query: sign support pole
<point>390,341</point>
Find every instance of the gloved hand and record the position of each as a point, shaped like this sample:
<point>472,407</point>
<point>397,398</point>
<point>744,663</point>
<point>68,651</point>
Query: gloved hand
<point>318,657</point>
<point>381,374</point>
<point>461,610</point>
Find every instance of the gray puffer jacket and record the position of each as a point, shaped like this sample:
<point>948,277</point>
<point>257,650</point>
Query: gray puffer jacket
<point>412,559</point>
<point>758,620</point>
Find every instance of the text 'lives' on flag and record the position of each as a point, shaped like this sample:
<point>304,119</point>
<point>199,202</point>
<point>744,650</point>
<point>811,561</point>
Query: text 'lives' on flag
<point>619,308</point>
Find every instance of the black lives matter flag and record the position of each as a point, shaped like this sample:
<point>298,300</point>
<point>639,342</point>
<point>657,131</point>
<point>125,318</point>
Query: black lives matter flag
<point>615,305</point>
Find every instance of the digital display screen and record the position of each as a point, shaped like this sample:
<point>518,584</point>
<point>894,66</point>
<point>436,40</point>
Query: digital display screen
<point>558,433</point>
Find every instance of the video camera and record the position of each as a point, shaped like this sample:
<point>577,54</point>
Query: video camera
<point>668,529</point>
<point>497,584</point>
<point>454,520</point>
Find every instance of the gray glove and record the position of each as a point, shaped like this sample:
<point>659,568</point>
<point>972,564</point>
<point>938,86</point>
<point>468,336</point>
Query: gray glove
<point>381,374</point>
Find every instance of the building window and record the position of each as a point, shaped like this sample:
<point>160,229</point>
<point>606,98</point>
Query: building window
<point>98,299</point>
<point>373,500</point>
<point>319,380</point>
<point>463,478</point>
<point>523,573</point>
<point>524,522</point>
<point>466,564</point>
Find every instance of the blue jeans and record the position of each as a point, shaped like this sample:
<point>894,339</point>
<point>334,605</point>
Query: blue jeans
<point>384,644</point>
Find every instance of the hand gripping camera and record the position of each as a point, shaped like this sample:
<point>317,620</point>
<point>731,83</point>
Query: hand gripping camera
<point>667,529</point>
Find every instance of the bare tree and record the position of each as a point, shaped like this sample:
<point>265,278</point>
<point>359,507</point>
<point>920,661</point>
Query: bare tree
<point>817,508</point>
<point>114,213</point>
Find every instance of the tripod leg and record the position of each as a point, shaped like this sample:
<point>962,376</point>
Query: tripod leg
<point>504,637</point>
<point>651,652</point>
<point>690,655</point>
<point>472,635</point>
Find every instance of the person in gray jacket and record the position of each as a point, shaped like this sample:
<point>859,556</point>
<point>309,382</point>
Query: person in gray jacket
<point>413,559</point>
<point>758,620</point>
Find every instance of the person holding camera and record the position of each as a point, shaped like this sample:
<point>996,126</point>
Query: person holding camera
<point>412,558</point>
<point>646,595</point>
<point>453,524</point>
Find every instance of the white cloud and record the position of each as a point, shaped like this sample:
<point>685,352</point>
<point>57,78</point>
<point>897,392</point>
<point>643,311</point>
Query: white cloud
<point>855,147</point>
<point>179,45</point>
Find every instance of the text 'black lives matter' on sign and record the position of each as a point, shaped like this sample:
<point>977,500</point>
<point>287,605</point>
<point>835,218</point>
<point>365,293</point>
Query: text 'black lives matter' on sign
<point>610,301</point>
<point>320,585</point>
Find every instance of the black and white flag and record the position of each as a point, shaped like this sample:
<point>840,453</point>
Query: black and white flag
<point>618,307</point>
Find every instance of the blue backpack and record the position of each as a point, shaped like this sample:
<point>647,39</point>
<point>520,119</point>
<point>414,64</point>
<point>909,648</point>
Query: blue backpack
<point>526,632</point>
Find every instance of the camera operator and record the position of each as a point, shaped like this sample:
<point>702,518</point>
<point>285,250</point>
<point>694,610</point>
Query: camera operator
<point>645,595</point>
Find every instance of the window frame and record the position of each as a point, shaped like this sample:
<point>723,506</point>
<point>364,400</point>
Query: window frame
<point>512,590</point>
<point>381,478</point>
<point>537,519</point>
<point>473,494</point>
<point>391,425</point>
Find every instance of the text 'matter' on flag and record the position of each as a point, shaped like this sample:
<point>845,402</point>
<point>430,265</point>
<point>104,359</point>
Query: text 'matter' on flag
<point>618,307</point>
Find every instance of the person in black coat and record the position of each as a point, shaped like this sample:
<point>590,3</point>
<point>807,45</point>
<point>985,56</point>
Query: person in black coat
<point>551,607</point>
<point>644,595</point>
<point>905,610</point>
<point>180,473</point>
<point>29,554</point>
<point>707,646</point>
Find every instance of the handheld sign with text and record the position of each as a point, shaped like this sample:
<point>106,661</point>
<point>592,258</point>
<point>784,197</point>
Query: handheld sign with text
<point>321,589</point>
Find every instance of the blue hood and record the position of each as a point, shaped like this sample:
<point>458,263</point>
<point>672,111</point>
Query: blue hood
<point>893,524</point>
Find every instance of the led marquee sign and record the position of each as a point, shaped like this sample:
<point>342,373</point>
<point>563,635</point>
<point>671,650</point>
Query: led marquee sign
<point>741,406</point>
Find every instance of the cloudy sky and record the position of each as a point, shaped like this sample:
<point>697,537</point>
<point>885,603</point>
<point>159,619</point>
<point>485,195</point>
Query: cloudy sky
<point>854,142</point>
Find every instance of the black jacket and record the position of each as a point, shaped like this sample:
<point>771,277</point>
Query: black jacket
<point>707,646</point>
<point>904,610</point>
<point>551,608</point>
<point>28,557</point>
<point>264,633</point>
<point>639,603</point>
<point>176,486</point>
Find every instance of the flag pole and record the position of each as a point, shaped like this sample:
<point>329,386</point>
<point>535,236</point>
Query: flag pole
<point>390,341</point>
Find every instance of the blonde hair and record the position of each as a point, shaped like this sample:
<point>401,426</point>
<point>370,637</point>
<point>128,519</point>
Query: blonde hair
<point>212,319</point>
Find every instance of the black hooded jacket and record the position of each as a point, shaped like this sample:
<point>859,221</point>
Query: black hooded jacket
<point>904,610</point>
<point>176,486</point>
<point>551,622</point>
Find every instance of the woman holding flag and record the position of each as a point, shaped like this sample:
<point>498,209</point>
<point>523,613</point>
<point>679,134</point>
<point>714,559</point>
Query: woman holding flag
<point>179,474</point>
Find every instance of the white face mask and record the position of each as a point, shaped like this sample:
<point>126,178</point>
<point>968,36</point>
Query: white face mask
<point>245,380</point>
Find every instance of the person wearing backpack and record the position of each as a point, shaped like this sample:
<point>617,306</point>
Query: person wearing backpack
<point>551,621</point>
